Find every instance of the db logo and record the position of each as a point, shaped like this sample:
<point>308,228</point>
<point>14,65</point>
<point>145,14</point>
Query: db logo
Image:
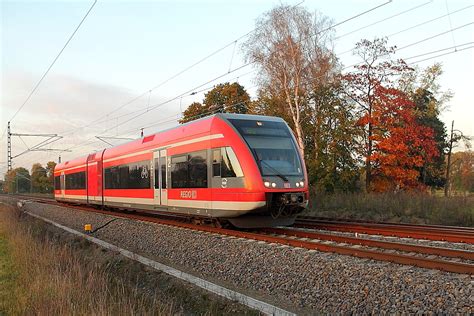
<point>188,194</point>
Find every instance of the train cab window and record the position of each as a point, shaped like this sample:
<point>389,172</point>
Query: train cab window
<point>189,171</point>
<point>225,163</point>
<point>57,183</point>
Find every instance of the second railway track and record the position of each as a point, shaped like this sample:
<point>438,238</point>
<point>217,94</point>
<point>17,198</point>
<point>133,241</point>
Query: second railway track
<point>428,232</point>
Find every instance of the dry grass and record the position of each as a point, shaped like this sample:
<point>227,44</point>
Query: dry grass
<point>42,277</point>
<point>396,207</point>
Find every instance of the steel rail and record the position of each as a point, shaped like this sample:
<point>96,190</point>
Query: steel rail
<point>449,266</point>
<point>427,250</point>
<point>452,236</point>
<point>368,222</point>
<point>405,227</point>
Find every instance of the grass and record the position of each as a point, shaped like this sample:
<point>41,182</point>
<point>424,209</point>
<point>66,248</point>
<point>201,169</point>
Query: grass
<point>405,207</point>
<point>44,278</point>
<point>45,271</point>
<point>7,276</point>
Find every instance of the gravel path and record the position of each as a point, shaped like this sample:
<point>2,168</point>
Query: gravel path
<point>308,281</point>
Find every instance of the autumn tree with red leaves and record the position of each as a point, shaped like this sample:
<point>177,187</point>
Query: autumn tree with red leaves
<point>400,144</point>
<point>393,144</point>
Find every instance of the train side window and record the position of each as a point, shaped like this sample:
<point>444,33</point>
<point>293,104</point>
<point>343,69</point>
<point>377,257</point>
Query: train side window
<point>134,175</point>
<point>216,162</point>
<point>112,179</point>
<point>163,172</point>
<point>189,171</point>
<point>225,163</point>
<point>76,181</point>
<point>179,171</point>
<point>197,170</point>
<point>57,183</point>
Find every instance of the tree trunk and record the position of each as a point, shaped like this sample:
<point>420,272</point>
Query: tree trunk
<point>299,137</point>
<point>368,164</point>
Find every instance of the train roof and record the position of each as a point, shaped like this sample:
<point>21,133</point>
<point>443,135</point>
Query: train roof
<point>199,125</point>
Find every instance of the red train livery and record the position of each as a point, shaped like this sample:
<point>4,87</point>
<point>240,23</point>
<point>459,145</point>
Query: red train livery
<point>242,169</point>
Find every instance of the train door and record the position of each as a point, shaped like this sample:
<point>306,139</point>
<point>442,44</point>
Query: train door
<point>160,177</point>
<point>63,184</point>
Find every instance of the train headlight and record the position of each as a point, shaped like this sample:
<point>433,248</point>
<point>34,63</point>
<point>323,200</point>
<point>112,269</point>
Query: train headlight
<point>297,184</point>
<point>274,184</point>
<point>301,183</point>
<point>267,184</point>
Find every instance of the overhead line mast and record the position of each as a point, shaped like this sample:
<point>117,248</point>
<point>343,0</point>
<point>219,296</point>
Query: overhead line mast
<point>9,148</point>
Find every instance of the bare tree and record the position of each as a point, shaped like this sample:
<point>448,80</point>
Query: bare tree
<point>292,50</point>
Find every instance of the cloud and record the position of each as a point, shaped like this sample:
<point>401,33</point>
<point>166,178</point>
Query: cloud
<point>62,104</point>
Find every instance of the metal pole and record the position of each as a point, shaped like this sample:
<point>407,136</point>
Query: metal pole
<point>448,166</point>
<point>9,148</point>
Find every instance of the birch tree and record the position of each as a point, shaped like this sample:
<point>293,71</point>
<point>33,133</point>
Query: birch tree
<point>292,50</point>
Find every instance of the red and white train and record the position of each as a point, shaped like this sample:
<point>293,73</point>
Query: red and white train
<point>242,169</point>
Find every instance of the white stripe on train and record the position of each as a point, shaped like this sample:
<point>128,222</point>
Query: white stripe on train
<point>205,204</point>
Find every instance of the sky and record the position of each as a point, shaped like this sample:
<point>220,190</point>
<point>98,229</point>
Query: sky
<point>131,58</point>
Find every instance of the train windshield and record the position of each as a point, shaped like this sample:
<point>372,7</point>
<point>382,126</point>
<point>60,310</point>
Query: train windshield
<point>272,146</point>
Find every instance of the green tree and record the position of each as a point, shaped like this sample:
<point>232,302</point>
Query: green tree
<point>223,98</point>
<point>271,105</point>
<point>50,174</point>
<point>193,112</point>
<point>39,179</point>
<point>331,133</point>
<point>18,180</point>
<point>463,171</point>
<point>432,173</point>
<point>227,97</point>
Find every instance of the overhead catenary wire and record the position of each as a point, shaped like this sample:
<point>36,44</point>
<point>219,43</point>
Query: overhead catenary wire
<point>172,118</point>
<point>415,26</point>
<point>417,42</point>
<point>229,44</point>
<point>385,19</point>
<point>54,61</point>
<point>426,53</point>
<point>49,68</point>
<point>436,35</point>
<point>174,76</point>
<point>438,50</point>
<point>238,68</point>
<point>457,50</point>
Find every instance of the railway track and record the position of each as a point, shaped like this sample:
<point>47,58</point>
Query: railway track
<point>446,259</point>
<point>428,232</point>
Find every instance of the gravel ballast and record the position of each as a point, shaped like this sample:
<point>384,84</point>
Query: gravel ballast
<point>301,280</point>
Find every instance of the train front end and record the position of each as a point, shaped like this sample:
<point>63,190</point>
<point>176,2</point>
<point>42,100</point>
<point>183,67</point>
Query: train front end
<point>282,174</point>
